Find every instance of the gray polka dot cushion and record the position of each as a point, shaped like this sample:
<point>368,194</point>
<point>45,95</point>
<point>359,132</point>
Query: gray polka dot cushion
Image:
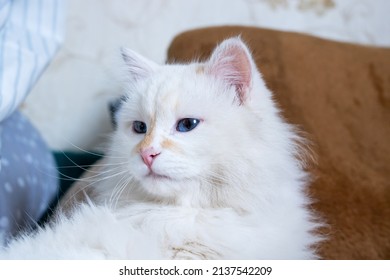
<point>28,176</point>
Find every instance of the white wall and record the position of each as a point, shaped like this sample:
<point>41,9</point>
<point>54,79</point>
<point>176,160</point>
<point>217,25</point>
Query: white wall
<point>69,103</point>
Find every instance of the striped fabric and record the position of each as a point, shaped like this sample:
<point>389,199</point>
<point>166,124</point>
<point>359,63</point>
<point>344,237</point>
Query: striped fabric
<point>30,33</point>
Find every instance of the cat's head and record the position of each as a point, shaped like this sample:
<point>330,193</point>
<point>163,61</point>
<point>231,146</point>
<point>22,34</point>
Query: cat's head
<point>184,129</point>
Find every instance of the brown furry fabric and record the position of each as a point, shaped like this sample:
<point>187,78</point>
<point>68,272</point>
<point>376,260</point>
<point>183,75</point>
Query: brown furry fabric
<point>340,94</point>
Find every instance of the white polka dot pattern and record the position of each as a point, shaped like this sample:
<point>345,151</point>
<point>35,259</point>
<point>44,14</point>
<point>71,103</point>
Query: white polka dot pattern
<point>8,187</point>
<point>4,222</point>
<point>28,178</point>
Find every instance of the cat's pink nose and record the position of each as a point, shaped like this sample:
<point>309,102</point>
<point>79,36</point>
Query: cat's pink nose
<point>148,155</point>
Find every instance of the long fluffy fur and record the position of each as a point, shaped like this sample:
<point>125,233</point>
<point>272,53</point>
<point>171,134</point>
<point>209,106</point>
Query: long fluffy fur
<point>236,187</point>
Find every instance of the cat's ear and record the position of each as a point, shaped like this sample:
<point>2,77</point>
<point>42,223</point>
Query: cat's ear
<point>138,66</point>
<point>231,62</point>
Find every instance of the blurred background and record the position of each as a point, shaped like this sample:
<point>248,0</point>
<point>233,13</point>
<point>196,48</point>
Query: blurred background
<point>69,104</point>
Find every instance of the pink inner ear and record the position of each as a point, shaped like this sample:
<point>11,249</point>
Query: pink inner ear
<point>230,62</point>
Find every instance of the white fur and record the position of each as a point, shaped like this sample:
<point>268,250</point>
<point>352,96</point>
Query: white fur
<point>236,189</point>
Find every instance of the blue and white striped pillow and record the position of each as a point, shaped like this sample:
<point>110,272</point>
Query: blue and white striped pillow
<point>30,34</point>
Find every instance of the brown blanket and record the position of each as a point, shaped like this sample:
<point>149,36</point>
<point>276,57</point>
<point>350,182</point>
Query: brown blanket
<point>340,95</point>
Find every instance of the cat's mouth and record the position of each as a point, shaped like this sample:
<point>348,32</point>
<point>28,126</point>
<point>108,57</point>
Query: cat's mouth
<point>155,176</point>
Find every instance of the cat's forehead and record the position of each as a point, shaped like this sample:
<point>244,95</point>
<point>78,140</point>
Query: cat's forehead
<point>171,88</point>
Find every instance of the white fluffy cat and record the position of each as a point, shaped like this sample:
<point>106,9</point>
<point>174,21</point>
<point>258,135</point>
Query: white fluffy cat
<point>201,166</point>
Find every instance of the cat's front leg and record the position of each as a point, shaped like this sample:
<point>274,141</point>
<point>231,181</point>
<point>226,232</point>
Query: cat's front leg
<point>194,250</point>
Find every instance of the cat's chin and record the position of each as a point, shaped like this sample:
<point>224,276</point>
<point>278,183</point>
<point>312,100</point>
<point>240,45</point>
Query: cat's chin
<point>155,176</point>
<point>161,186</point>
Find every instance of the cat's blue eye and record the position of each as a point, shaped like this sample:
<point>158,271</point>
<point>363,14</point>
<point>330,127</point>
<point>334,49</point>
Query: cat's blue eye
<point>139,127</point>
<point>187,124</point>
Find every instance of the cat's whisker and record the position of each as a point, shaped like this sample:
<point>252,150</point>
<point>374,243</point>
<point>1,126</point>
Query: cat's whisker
<point>76,165</point>
<point>81,149</point>
<point>101,167</point>
<point>94,153</point>
<point>87,179</point>
<point>117,188</point>
<point>97,174</point>
<point>85,187</point>
<point>114,191</point>
<point>88,166</point>
<point>114,153</point>
<point>121,190</point>
<point>64,177</point>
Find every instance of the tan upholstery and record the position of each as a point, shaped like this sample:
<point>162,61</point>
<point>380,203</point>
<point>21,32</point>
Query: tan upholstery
<point>340,95</point>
